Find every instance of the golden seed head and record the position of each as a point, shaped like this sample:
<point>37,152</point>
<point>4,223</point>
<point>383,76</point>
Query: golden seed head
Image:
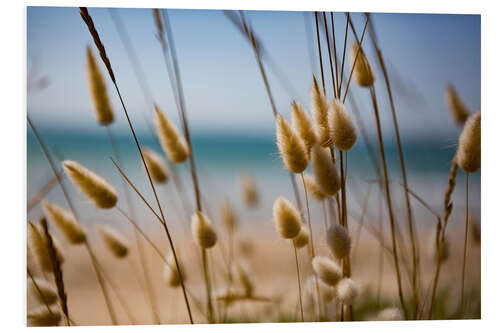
<point>170,272</point>
<point>327,270</point>
<point>156,166</point>
<point>319,109</point>
<point>338,241</point>
<point>325,171</point>
<point>390,314</point>
<point>459,111</point>
<point>96,188</point>
<point>41,316</point>
<point>38,245</point>
<point>302,238</point>
<point>468,156</point>
<point>173,144</point>
<point>292,149</point>
<point>65,222</point>
<point>203,230</point>
<point>363,73</point>
<point>343,131</point>
<point>45,292</point>
<point>114,241</point>
<point>303,125</point>
<point>97,87</point>
<point>347,291</point>
<point>249,190</point>
<point>287,220</point>
<point>313,189</point>
<point>228,216</point>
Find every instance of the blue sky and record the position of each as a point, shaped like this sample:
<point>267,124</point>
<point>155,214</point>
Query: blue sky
<point>223,88</point>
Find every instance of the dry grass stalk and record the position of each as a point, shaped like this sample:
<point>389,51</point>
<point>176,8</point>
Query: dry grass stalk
<point>96,188</point>
<point>459,111</point>
<point>343,131</point>
<point>156,166</point>
<point>98,92</point>
<point>66,222</point>
<point>114,241</point>
<point>468,155</point>
<point>171,274</point>
<point>173,144</point>
<point>228,215</point>
<point>292,149</point>
<point>242,272</point>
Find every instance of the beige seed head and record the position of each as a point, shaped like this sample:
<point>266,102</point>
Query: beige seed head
<point>319,109</point>
<point>343,131</point>
<point>338,241</point>
<point>170,272</point>
<point>347,291</point>
<point>98,93</point>
<point>203,230</point>
<point>65,222</point>
<point>228,216</point>
<point>303,125</point>
<point>114,241</point>
<point>241,270</point>
<point>156,166</point>
<point>325,171</point>
<point>41,316</point>
<point>363,73</point>
<point>313,189</point>
<point>292,149</point>
<point>459,111</point>
<point>249,190</point>
<point>38,245</point>
<point>287,220</point>
<point>302,238</point>
<point>468,155</point>
<point>327,270</point>
<point>45,292</point>
<point>173,144</point>
<point>96,188</point>
<point>390,314</point>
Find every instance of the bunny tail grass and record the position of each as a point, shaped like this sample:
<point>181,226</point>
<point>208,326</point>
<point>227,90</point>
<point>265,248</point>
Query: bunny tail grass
<point>115,242</point>
<point>287,220</point>
<point>156,166</point>
<point>319,109</point>
<point>292,149</point>
<point>97,189</point>
<point>171,140</point>
<point>363,73</point>
<point>98,93</point>
<point>325,171</point>
<point>66,222</point>
<point>458,109</point>
<point>468,155</point>
<point>203,231</point>
<point>303,126</point>
<point>343,131</point>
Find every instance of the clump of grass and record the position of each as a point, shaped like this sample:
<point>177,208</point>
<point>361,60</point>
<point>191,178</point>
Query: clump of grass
<point>156,165</point>
<point>114,241</point>
<point>172,142</point>
<point>459,111</point>
<point>96,188</point>
<point>66,222</point>
<point>98,92</point>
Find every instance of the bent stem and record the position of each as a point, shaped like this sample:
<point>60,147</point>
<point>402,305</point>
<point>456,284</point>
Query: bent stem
<point>389,202</point>
<point>462,300</point>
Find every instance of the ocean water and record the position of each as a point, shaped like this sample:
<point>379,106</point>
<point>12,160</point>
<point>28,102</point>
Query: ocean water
<point>222,158</point>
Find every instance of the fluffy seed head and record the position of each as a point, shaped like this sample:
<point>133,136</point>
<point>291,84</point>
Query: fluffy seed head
<point>303,125</point>
<point>38,245</point>
<point>390,314</point>
<point>468,155</point>
<point>170,272</point>
<point>115,242</point>
<point>325,171</point>
<point>173,144</point>
<point>292,149</point>
<point>41,316</point>
<point>458,109</point>
<point>228,216</point>
<point>96,188</point>
<point>65,222</point>
<point>302,238</point>
<point>249,190</point>
<point>327,270</point>
<point>156,166</point>
<point>98,93</point>
<point>45,292</point>
<point>347,291</point>
<point>343,131</point>
<point>319,109</point>
<point>338,241</point>
<point>203,230</point>
<point>363,73</point>
<point>313,189</point>
<point>286,218</point>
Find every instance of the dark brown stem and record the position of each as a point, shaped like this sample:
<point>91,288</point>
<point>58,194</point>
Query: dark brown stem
<point>343,54</point>
<point>319,52</point>
<point>332,70</point>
